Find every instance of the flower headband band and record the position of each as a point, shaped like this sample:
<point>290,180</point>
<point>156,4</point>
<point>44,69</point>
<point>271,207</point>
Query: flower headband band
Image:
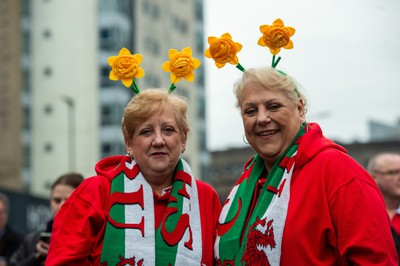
<point>276,36</point>
<point>126,67</point>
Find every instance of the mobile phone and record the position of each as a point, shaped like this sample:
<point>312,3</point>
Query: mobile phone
<point>45,236</point>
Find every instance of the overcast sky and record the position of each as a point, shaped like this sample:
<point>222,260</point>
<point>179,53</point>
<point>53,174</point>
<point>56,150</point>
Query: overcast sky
<point>346,56</point>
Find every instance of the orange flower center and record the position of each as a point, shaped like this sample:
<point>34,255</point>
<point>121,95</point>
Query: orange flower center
<point>181,64</point>
<point>126,67</point>
<point>276,38</point>
<point>223,50</point>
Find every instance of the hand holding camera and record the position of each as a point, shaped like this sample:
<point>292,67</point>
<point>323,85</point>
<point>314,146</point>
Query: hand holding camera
<point>42,246</point>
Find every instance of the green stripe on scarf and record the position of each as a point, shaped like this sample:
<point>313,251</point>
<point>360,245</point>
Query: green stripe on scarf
<point>240,206</point>
<point>177,241</point>
<point>115,235</point>
<point>163,250</point>
<point>230,247</point>
<point>274,178</point>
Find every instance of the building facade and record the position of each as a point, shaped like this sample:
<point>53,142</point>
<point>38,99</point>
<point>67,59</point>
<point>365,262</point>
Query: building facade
<point>64,90</point>
<point>10,95</point>
<point>151,28</point>
<point>72,111</point>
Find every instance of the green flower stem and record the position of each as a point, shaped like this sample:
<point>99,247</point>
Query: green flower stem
<point>275,63</point>
<point>240,67</point>
<point>135,87</point>
<point>171,88</point>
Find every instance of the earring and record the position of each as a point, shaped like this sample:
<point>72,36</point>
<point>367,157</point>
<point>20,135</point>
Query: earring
<point>245,140</point>
<point>183,150</point>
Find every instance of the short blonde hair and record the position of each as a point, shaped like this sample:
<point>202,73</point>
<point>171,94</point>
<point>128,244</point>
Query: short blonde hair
<point>271,79</point>
<point>149,102</point>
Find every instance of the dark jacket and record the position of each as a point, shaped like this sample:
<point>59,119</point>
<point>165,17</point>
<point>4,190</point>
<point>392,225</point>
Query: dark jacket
<point>396,239</point>
<point>9,242</point>
<point>25,254</point>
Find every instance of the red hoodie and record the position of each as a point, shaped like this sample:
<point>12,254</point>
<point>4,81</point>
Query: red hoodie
<point>79,226</point>
<point>336,213</point>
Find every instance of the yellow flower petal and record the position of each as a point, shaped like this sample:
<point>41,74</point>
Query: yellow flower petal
<point>196,62</point>
<point>174,79</point>
<point>234,61</point>
<point>127,82</point>
<point>278,22</point>
<point>172,53</point>
<point>124,51</point>
<point>189,77</point>
<point>187,50</point>
<point>261,41</point>
<point>138,58</point>
<point>140,73</point>
<point>289,45</point>
<point>264,28</point>
<point>166,66</point>
<point>207,53</point>
<point>211,39</point>
<point>226,36</point>
<point>291,31</point>
<point>111,60</point>
<point>219,65</point>
<point>275,51</point>
<point>238,46</point>
<point>112,76</point>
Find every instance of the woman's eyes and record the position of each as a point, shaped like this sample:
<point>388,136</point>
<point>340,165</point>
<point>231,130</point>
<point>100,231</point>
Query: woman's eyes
<point>273,107</point>
<point>169,130</point>
<point>250,112</point>
<point>269,107</point>
<point>166,130</point>
<point>145,132</point>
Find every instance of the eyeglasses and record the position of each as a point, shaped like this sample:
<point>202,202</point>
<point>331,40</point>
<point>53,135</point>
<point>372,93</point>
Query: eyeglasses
<point>392,172</point>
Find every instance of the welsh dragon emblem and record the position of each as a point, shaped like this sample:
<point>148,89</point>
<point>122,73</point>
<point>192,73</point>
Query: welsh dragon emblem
<point>123,261</point>
<point>260,236</point>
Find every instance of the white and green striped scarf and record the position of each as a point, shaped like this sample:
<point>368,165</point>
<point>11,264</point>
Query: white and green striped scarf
<point>253,237</point>
<point>130,237</point>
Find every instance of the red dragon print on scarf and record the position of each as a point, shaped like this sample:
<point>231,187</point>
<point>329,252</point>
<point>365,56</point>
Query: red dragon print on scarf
<point>257,241</point>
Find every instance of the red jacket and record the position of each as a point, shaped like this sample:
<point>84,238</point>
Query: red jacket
<point>336,213</point>
<point>79,226</point>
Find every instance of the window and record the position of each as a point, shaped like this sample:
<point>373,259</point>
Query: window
<point>47,71</point>
<point>112,148</point>
<point>106,115</point>
<point>104,76</point>
<point>111,114</point>
<point>26,118</point>
<point>26,156</point>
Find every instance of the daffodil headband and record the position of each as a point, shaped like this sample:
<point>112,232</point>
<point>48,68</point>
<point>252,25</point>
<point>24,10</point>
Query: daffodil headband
<point>276,36</point>
<point>126,67</point>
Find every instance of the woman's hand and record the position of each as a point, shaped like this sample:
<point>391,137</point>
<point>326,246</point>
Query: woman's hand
<point>42,249</point>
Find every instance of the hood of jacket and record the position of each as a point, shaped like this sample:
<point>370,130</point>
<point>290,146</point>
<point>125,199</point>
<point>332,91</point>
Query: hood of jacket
<point>313,143</point>
<point>109,166</point>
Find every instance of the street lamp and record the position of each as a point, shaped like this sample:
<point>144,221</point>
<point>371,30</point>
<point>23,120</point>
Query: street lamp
<point>71,134</point>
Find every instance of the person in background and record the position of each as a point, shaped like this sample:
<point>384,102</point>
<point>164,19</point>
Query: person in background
<point>9,238</point>
<point>145,207</point>
<point>301,200</point>
<point>34,248</point>
<point>385,169</point>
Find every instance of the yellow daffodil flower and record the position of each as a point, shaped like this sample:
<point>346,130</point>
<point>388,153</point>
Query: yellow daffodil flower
<point>223,50</point>
<point>125,67</point>
<point>276,36</point>
<point>181,65</point>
